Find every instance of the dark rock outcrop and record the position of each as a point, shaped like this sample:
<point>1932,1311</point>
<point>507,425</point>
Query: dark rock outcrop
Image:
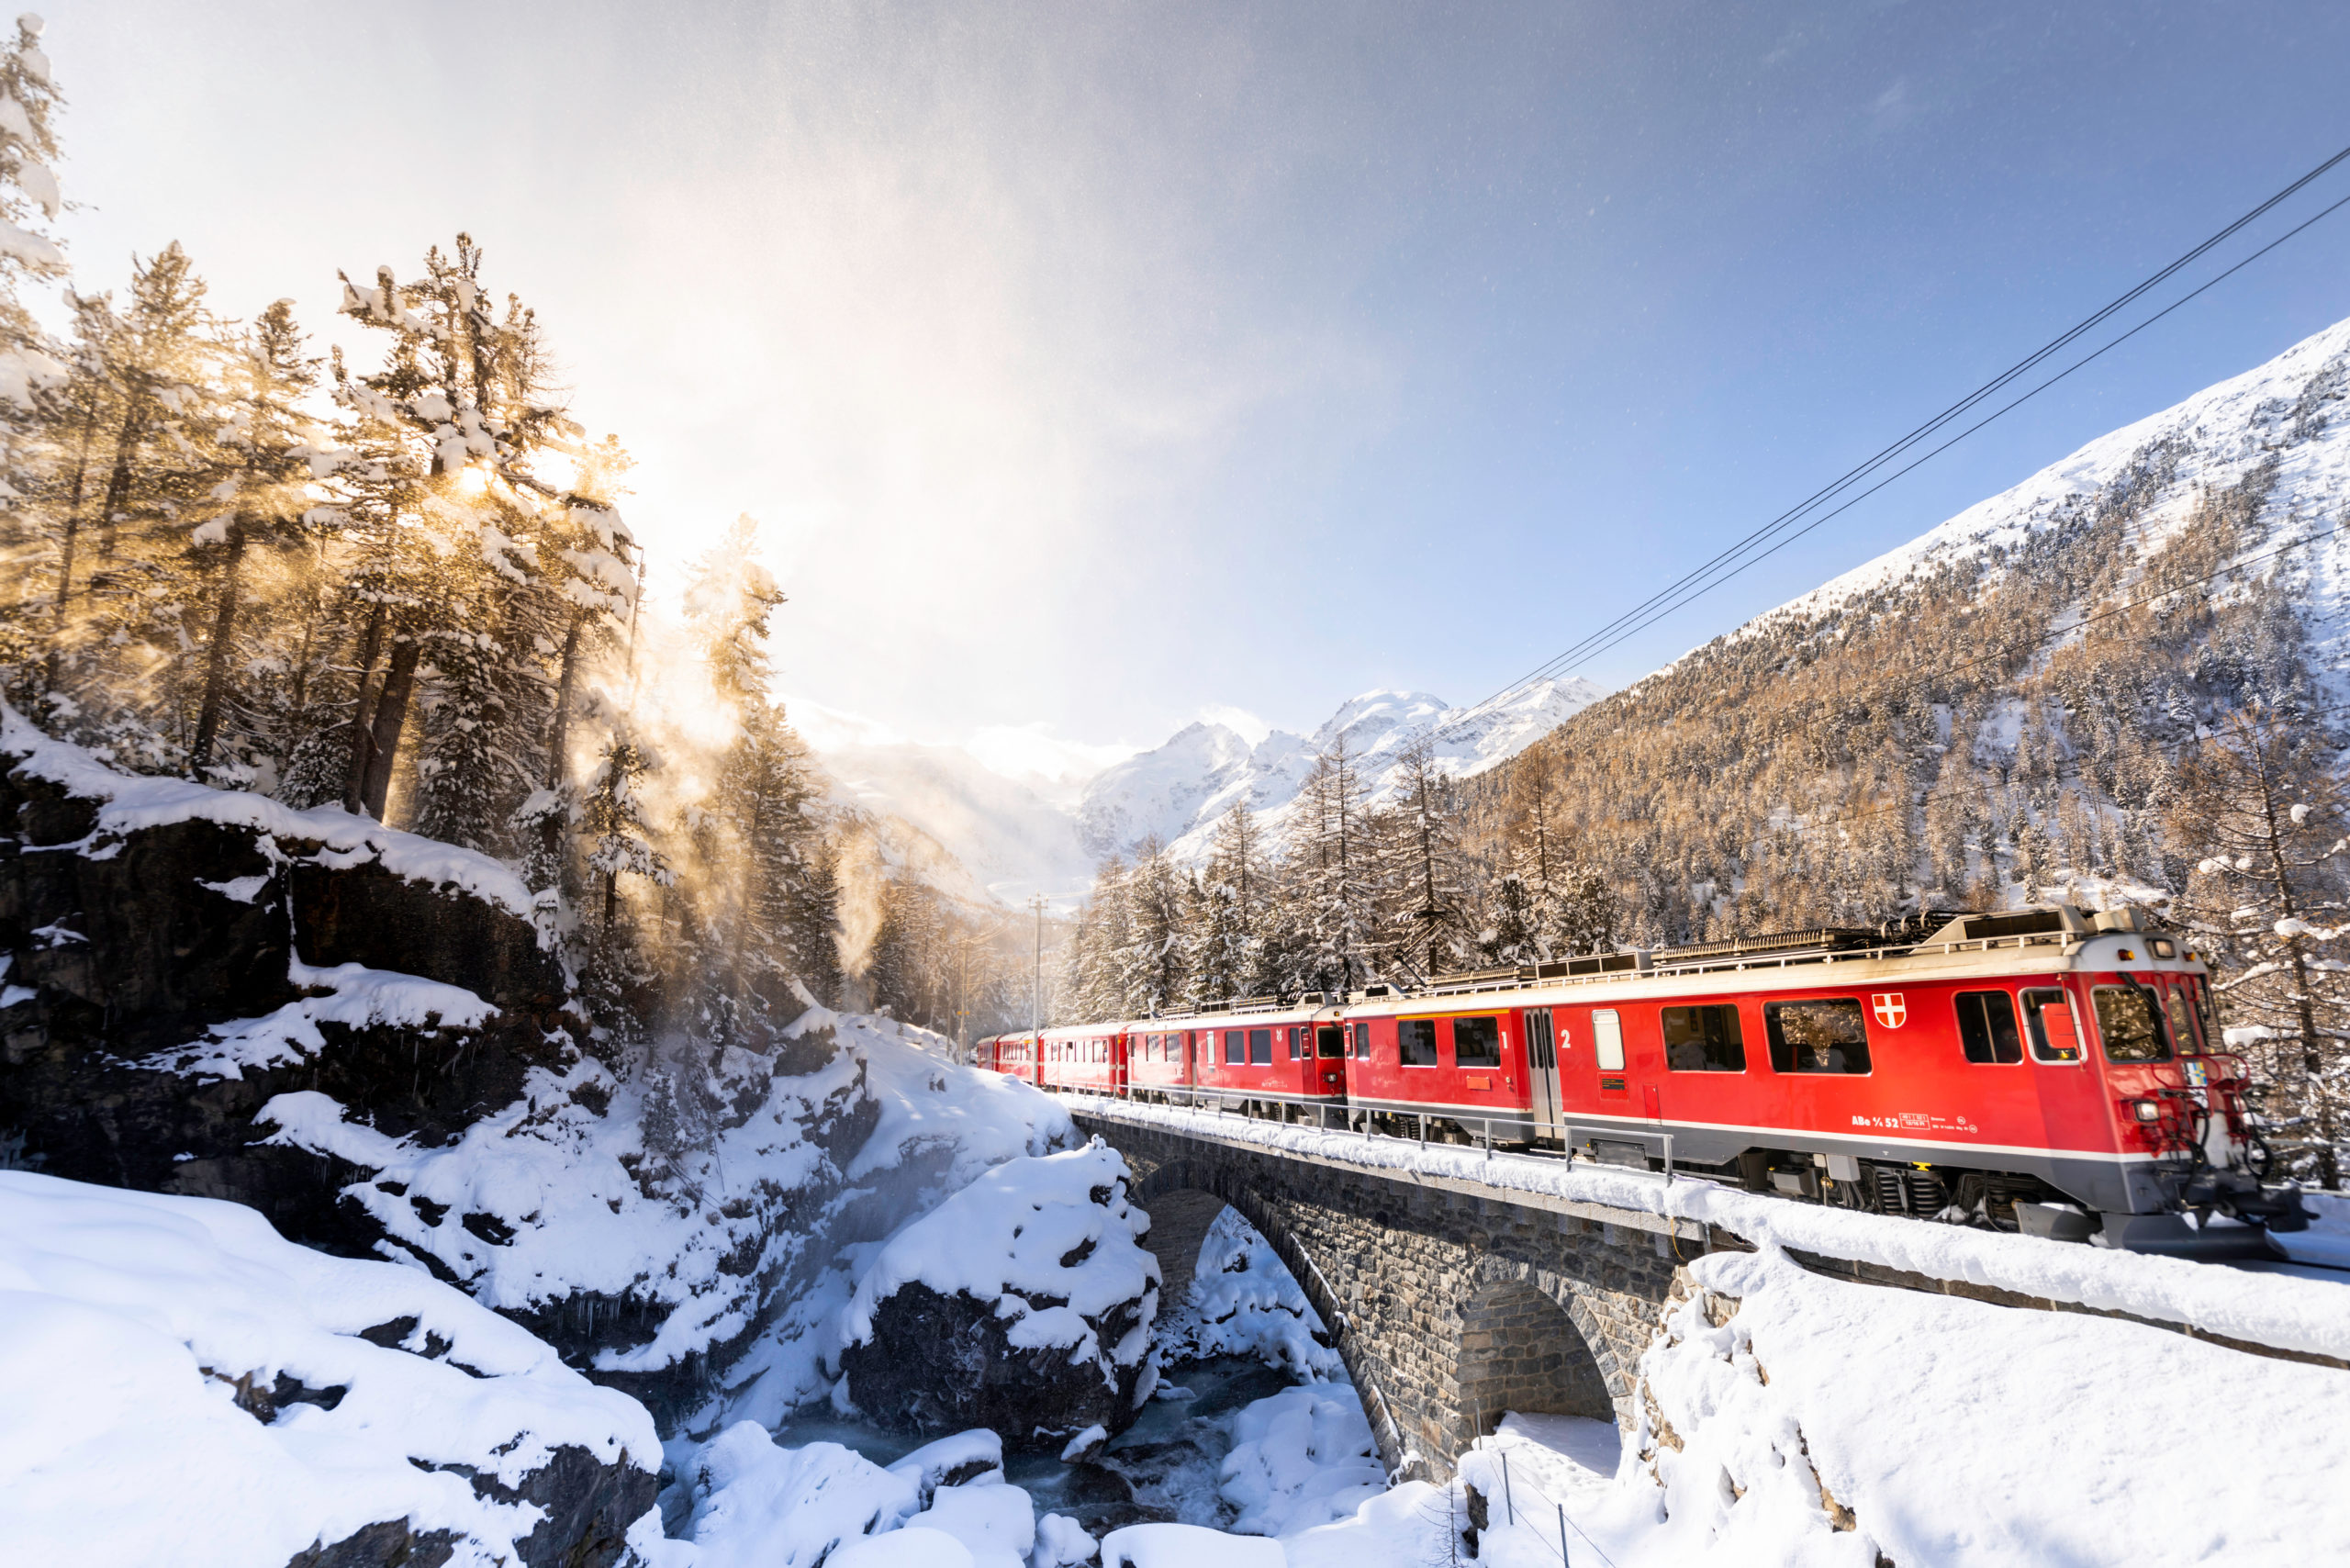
<point>937,1363</point>
<point>1023,1304</point>
<point>124,951</point>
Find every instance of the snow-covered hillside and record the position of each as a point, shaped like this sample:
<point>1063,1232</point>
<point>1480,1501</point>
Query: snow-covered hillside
<point>1180,790</point>
<point>2213,440</point>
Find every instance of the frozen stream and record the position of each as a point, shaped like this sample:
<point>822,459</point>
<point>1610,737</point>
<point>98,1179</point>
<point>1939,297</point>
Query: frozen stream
<point>1164,1467</point>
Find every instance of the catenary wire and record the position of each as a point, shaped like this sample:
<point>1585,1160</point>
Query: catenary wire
<point>1604,633</point>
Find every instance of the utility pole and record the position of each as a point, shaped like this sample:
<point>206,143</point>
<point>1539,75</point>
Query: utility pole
<point>1037,997</point>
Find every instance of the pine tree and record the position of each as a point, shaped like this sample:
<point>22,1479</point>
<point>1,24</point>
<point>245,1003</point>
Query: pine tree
<point>1334,903</point>
<point>269,441</point>
<point>1152,964</point>
<point>1430,916</point>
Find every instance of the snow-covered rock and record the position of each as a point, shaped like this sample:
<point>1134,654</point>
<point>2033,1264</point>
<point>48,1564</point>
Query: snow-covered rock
<point>756,1504</point>
<point>1244,1302</point>
<point>1186,1546</point>
<point>184,1386</point>
<point>1302,1458</point>
<point>1024,1304</point>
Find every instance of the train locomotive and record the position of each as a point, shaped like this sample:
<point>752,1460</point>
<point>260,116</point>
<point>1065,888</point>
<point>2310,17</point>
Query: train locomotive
<point>2047,1069</point>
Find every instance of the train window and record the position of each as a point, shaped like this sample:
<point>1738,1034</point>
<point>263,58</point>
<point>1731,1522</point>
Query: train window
<point>2049,1019</point>
<point>1362,1042</point>
<point>1607,1039</point>
<point>1416,1042</point>
<point>1828,1036</point>
<point>1329,1040</point>
<point>2182,1025</point>
<point>1235,1048</point>
<point>1476,1042</point>
<point>1704,1039</point>
<point>1260,1048</point>
<point>1986,1027</point>
<point>2126,1019</point>
<point>1292,1033</point>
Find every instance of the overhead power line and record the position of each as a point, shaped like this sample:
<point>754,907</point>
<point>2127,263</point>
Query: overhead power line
<point>1745,552</point>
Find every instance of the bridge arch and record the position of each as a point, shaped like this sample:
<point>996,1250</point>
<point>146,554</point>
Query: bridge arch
<point>1448,1301</point>
<point>1175,1189</point>
<point>1531,1341</point>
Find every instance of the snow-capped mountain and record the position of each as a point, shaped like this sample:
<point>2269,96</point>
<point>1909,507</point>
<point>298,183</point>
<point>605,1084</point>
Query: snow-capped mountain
<point>980,836</point>
<point>1182,790</point>
<point>971,833</point>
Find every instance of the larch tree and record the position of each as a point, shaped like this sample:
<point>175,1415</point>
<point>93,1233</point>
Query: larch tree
<point>2262,805</point>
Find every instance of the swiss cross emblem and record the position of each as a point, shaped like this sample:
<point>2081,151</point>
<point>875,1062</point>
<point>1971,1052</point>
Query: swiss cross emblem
<point>1891,1011</point>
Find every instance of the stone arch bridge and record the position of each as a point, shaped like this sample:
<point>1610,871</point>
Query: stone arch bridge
<point>1449,1303</point>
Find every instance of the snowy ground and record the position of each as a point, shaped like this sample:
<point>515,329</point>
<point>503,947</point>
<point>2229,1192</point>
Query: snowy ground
<point>183,1386</point>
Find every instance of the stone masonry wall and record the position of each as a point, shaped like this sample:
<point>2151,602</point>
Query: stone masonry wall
<point>1437,1300</point>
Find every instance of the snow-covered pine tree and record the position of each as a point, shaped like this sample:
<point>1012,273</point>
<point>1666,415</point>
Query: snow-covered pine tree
<point>764,883</point>
<point>453,586</point>
<point>1333,902</point>
<point>1428,920</point>
<point>32,377</point>
<point>1151,965</point>
<point>2263,805</point>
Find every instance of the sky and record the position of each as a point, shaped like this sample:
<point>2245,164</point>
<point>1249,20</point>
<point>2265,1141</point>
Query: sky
<point>1094,367</point>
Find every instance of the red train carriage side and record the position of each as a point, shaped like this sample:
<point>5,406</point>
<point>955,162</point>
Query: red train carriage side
<point>1286,1063</point>
<point>1159,1060</point>
<point>2008,1056</point>
<point>1088,1058</point>
<point>1014,1055</point>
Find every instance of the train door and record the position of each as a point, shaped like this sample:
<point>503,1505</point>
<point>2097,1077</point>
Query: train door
<point>1542,1074</point>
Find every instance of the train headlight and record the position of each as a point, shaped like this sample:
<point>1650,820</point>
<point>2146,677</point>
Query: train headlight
<point>2147,1110</point>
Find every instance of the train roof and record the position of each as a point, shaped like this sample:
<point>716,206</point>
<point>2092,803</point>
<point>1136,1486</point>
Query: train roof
<point>1933,944</point>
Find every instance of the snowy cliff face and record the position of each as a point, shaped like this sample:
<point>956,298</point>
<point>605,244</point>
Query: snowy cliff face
<point>1180,790</point>
<point>359,1034</point>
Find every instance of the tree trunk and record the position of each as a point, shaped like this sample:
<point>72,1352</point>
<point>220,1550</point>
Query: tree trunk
<point>215,664</point>
<point>354,786</point>
<point>73,527</point>
<point>391,715</point>
<point>126,453</point>
<point>559,731</point>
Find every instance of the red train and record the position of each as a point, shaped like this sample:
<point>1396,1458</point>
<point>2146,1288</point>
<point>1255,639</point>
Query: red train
<point>2044,1068</point>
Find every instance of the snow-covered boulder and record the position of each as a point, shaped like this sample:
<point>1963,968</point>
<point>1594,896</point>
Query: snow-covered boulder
<point>1244,1302</point>
<point>184,1386</point>
<point>1302,1458</point>
<point>756,1504</point>
<point>1021,1303</point>
<point>1186,1546</point>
